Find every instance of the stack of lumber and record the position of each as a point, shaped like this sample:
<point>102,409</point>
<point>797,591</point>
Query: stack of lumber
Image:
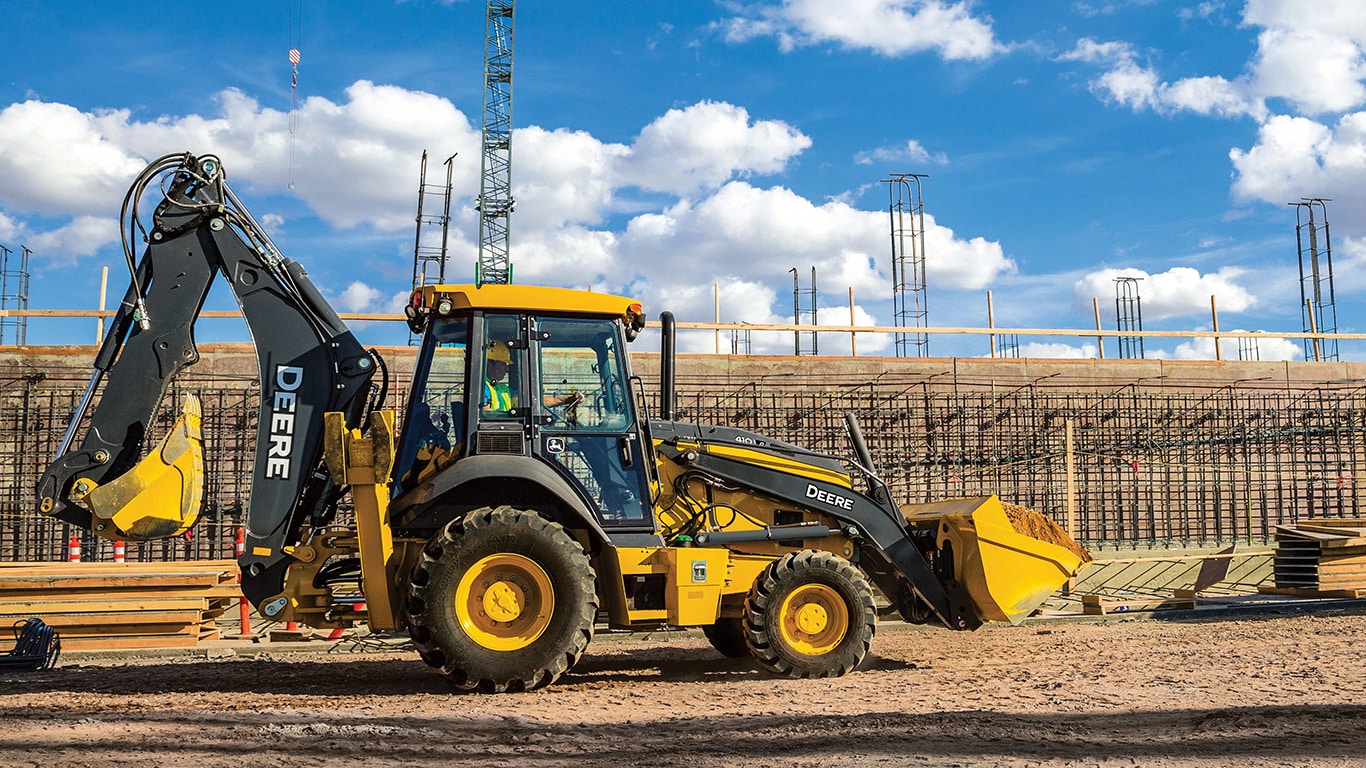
<point>119,605</point>
<point>1321,558</point>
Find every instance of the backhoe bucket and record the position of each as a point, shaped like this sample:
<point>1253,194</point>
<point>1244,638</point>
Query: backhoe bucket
<point>163,494</point>
<point>1006,573</point>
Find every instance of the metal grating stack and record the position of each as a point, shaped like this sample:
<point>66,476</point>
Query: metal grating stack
<point>1321,558</point>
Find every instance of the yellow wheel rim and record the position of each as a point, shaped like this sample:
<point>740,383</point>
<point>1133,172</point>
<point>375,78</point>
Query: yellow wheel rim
<point>814,619</point>
<point>504,602</point>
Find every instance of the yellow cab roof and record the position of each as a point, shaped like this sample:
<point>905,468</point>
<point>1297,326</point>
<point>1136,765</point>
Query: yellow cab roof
<point>533,298</point>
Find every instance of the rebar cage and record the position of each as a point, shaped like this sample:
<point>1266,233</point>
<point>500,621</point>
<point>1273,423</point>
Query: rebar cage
<point>1152,465</point>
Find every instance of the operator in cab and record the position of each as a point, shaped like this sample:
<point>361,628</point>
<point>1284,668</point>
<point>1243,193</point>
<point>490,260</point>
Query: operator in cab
<point>498,395</point>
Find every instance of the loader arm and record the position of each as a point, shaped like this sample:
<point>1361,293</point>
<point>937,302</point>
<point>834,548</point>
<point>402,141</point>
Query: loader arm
<point>309,364</point>
<point>813,481</point>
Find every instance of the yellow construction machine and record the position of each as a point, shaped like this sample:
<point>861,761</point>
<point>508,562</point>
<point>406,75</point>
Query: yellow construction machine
<point>525,496</point>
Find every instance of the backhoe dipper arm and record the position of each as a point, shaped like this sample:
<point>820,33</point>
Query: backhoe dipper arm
<point>309,362</point>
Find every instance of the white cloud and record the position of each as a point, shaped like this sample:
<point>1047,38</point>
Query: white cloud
<point>1202,348</point>
<point>758,234</point>
<point>912,151</point>
<point>1180,291</point>
<point>356,164</point>
<point>1205,10</point>
<point>56,159</point>
<point>1054,350</point>
<point>1314,60</point>
<point>887,27</point>
<point>82,236</point>
<point>9,228</point>
<point>359,297</point>
<point>1297,157</point>
<point>707,144</point>
<point>1130,84</point>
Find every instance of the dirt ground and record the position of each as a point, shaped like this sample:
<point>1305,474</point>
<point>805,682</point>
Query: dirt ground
<point>1259,690</point>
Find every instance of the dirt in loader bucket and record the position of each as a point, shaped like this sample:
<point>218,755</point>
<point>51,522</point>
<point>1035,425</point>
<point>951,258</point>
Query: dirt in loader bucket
<point>1036,525</point>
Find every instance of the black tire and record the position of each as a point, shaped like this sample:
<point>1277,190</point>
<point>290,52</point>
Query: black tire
<point>810,614</point>
<point>727,636</point>
<point>503,600</point>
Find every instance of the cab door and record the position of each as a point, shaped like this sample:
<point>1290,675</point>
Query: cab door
<point>586,424</point>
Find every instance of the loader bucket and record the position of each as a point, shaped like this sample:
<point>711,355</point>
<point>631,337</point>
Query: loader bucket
<point>1006,573</point>
<point>163,494</point>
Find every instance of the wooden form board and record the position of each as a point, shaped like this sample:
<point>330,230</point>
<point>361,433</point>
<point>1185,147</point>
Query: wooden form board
<point>1101,605</point>
<point>119,605</point>
<point>1320,558</point>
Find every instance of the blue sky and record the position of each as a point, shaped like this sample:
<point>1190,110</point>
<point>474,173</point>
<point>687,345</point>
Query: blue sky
<point>673,150</point>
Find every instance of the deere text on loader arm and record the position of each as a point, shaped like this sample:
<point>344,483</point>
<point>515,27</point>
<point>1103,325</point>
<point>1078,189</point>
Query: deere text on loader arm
<point>526,497</point>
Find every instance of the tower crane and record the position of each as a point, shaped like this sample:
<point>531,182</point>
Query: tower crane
<point>495,201</point>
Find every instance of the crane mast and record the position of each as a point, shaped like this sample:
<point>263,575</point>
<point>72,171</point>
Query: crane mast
<point>495,201</point>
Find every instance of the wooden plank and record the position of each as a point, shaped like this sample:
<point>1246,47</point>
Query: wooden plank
<point>1101,605</point>
<point>128,642</point>
<point>1334,522</point>
<point>1342,569</point>
<point>146,566</point>
<point>221,592</point>
<point>121,605</point>
<point>1301,592</point>
<point>107,581</point>
<point>130,619</point>
<point>1333,530</point>
<point>97,637</point>
<point>1282,531</point>
<point>1341,543</point>
<point>116,605</point>
<point>79,570</point>
<point>170,565</point>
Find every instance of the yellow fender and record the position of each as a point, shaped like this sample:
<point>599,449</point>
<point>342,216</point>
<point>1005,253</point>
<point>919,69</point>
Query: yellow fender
<point>163,495</point>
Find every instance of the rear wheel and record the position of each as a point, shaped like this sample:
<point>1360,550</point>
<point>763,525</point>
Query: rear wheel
<point>810,614</point>
<point>503,600</point>
<point>727,636</point>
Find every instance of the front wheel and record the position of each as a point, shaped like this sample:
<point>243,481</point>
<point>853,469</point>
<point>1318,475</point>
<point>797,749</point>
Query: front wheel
<point>810,614</point>
<point>503,600</point>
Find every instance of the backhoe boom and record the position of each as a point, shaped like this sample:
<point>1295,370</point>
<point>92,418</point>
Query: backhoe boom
<point>309,364</point>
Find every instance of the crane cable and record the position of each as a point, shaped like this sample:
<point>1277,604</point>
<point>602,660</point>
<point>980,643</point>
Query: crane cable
<point>296,26</point>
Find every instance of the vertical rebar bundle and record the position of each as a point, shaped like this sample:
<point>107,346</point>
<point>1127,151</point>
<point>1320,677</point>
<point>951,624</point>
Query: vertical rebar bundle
<point>14,295</point>
<point>1318,303</point>
<point>910,307</point>
<point>804,306</point>
<point>1129,317</point>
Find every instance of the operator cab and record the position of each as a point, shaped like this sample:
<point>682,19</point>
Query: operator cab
<point>516,373</point>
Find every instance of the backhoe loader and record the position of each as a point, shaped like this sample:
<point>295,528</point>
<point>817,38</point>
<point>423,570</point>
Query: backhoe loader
<point>525,497</point>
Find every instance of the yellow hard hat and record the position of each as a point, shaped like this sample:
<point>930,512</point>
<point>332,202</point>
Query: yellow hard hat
<point>499,351</point>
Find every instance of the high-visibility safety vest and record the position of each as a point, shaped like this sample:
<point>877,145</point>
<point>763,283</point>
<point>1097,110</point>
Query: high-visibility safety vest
<point>497,397</point>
